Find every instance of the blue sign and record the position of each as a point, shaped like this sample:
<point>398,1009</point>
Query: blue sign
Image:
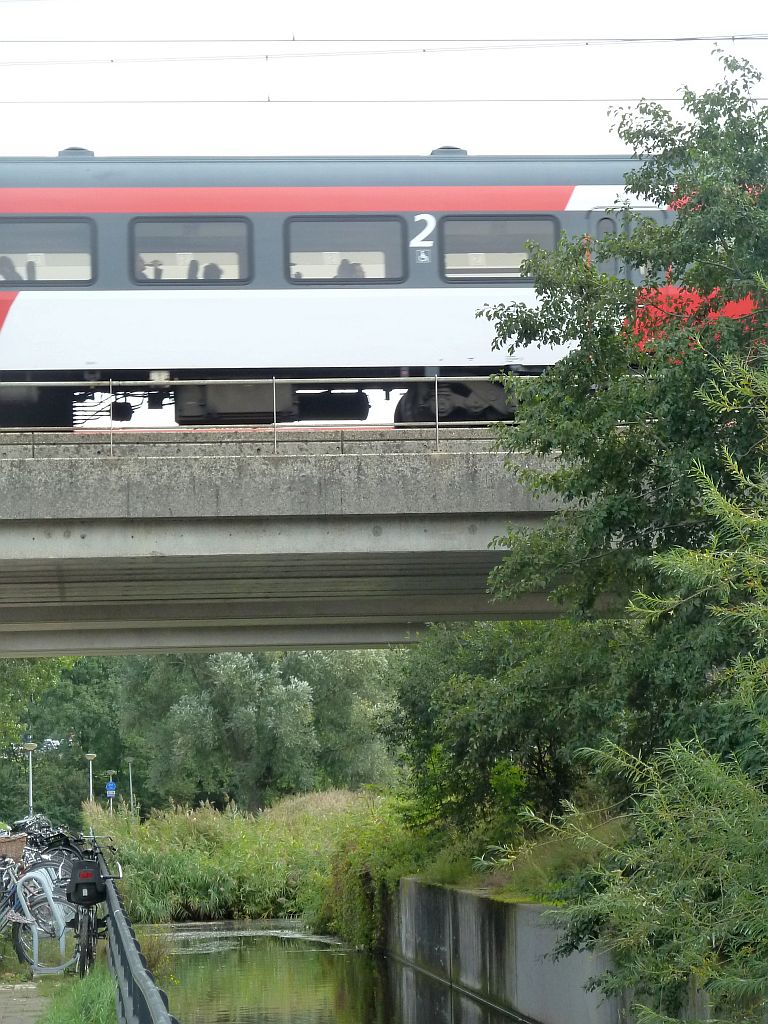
<point>111,789</point>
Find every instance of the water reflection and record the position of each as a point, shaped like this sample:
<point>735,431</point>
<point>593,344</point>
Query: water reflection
<point>273,973</point>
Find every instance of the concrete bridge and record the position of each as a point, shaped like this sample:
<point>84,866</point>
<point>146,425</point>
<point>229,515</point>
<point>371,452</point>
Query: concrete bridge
<point>201,540</point>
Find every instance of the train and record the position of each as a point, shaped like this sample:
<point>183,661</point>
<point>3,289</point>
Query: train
<point>224,283</point>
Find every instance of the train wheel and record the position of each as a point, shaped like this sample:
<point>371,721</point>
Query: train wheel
<point>458,403</point>
<point>413,409</point>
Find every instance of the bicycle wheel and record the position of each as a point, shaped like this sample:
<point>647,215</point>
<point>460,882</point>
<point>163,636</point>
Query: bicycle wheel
<point>49,951</point>
<point>86,941</point>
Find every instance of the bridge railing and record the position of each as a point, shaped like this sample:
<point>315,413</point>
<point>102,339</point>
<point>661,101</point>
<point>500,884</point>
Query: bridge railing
<point>139,999</point>
<point>111,388</point>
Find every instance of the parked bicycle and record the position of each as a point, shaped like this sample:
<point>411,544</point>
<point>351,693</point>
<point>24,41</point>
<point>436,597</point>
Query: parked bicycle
<point>50,896</point>
<point>86,890</point>
<point>35,909</point>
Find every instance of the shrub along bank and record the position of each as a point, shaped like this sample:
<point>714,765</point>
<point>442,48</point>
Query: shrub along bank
<point>327,857</point>
<point>330,858</point>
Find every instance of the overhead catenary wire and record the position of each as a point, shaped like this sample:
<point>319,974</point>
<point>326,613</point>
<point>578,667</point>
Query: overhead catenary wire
<point>484,47</point>
<point>533,41</point>
<point>274,101</point>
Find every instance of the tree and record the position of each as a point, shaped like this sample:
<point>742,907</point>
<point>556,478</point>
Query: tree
<point>251,727</point>
<point>614,426</point>
<point>26,709</point>
<point>492,714</point>
<point>684,902</point>
<point>351,693</point>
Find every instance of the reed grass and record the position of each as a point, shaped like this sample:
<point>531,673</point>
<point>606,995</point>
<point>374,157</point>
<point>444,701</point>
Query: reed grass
<point>90,1000</point>
<point>202,864</point>
<point>331,858</point>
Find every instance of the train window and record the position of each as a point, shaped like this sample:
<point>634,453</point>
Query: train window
<point>56,251</point>
<point>606,227</point>
<point>191,251</point>
<point>346,250</point>
<point>491,247</point>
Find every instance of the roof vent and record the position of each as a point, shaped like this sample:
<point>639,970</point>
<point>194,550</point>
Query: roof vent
<point>448,151</point>
<point>75,151</point>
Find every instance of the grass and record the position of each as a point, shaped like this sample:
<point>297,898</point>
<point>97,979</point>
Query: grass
<point>201,864</point>
<point>331,858</point>
<point>11,970</point>
<point>90,1000</point>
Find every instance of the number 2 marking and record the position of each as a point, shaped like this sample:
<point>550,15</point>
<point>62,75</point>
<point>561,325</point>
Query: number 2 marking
<point>422,239</point>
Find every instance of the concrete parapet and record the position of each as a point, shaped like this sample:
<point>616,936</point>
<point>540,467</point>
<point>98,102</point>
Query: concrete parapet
<point>499,953</point>
<point>282,486</point>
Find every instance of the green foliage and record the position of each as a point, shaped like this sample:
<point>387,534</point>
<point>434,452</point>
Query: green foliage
<point>350,693</point>
<point>331,858</point>
<point>683,903</point>
<point>220,727</point>
<point>685,899</point>
<point>89,1000</point>
<point>613,429</point>
<point>375,851</point>
<point>251,727</point>
<point>22,681</point>
<point>11,970</point>
<point>203,864</point>
<point>492,714</point>
<point>554,868</point>
<point>625,418</point>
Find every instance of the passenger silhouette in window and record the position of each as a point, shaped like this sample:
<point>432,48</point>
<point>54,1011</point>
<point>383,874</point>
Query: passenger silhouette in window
<point>212,272</point>
<point>8,271</point>
<point>193,270</point>
<point>142,269</point>
<point>349,271</point>
<point>345,271</point>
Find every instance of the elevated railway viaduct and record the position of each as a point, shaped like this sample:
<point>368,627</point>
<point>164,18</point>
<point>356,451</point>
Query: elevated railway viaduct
<point>117,542</point>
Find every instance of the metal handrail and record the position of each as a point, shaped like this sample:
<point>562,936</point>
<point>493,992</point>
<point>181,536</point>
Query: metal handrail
<point>112,386</point>
<point>139,998</point>
<point>161,385</point>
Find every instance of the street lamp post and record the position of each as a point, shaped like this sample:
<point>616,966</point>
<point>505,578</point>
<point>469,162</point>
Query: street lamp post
<point>90,758</point>
<point>129,761</point>
<point>29,747</point>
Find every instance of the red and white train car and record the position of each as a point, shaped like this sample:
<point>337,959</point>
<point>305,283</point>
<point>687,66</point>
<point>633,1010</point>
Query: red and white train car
<point>176,270</point>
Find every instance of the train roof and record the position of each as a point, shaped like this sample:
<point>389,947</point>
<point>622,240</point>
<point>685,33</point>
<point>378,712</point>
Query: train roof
<point>449,166</point>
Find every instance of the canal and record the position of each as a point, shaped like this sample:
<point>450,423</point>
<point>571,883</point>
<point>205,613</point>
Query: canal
<point>272,972</point>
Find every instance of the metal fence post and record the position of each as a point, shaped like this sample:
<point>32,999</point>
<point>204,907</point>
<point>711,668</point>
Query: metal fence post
<point>274,411</point>
<point>437,420</point>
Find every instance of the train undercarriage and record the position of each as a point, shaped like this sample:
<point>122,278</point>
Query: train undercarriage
<point>29,405</point>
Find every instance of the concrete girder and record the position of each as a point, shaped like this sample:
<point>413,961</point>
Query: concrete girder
<point>104,554</point>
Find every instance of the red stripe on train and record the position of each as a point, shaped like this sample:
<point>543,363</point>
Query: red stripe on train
<point>288,199</point>
<point>6,301</point>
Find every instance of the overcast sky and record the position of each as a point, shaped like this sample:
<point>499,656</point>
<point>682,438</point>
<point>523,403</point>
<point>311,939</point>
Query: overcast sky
<point>134,61</point>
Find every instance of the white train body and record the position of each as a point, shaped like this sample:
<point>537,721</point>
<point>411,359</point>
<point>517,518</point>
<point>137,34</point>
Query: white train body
<point>177,270</point>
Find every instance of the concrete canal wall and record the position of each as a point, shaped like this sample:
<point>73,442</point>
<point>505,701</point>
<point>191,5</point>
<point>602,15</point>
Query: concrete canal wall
<point>497,952</point>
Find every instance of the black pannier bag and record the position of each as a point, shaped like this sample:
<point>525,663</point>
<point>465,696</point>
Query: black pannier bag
<point>86,887</point>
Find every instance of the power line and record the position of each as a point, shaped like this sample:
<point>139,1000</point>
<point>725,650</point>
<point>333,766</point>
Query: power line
<point>347,102</point>
<point>333,54</point>
<point>523,41</point>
